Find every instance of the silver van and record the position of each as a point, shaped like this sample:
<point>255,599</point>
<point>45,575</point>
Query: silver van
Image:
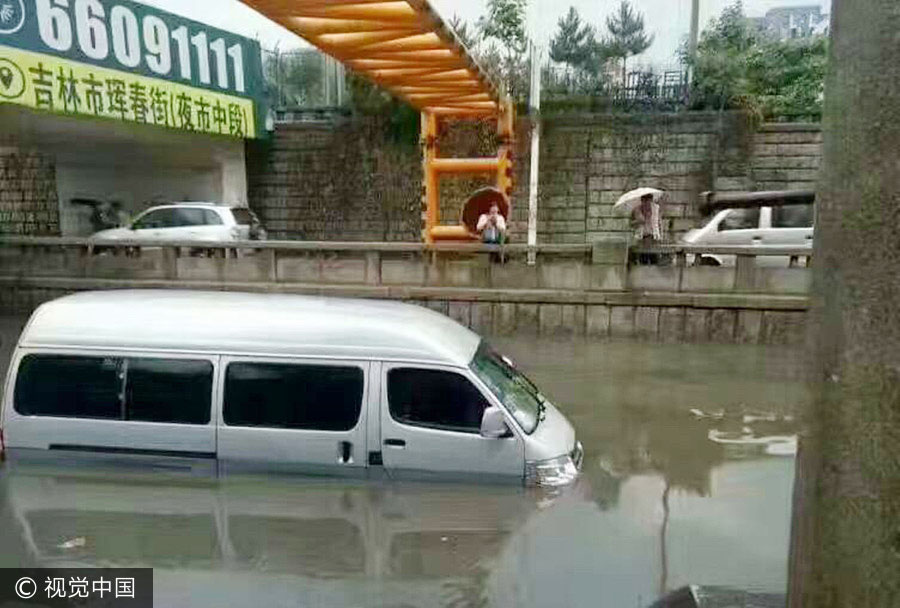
<point>782,226</point>
<point>239,381</point>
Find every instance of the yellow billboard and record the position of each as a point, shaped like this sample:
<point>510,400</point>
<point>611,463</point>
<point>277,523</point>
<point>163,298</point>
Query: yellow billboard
<point>63,86</point>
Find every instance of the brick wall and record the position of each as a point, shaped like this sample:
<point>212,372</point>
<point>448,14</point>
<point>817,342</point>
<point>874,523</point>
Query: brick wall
<point>348,182</point>
<point>336,182</point>
<point>28,199</point>
<point>786,157</point>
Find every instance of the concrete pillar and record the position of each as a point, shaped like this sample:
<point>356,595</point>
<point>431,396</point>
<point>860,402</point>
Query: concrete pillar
<point>845,546</point>
<point>234,173</point>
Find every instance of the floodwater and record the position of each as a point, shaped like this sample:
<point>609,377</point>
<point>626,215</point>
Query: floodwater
<point>687,480</point>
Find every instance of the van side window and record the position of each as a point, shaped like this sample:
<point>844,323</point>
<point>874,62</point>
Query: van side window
<point>168,390</point>
<point>435,399</point>
<point>69,387</point>
<point>792,216</point>
<point>115,388</point>
<point>740,219</point>
<point>277,395</point>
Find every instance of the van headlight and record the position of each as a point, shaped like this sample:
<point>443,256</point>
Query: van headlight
<point>558,471</point>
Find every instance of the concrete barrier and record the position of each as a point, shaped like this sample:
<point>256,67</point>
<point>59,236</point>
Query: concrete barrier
<point>572,290</point>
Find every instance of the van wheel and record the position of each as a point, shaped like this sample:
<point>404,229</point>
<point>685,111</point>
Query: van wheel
<point>707,261</point>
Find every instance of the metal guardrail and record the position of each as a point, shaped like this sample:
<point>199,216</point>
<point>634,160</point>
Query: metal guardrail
<point>399,247</point>
<point>602,267</point>
<point>338,246</point>
<point>750,251</point>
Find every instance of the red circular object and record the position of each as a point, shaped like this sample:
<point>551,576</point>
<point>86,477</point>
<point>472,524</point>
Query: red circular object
<point>480,202</point>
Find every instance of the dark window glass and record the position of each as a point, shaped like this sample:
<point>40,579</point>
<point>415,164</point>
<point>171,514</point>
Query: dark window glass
<point>189,217</point>
<point>436,399</point>
<point>154,390</point>
<point>243,216</point>
<point>70,387</point>
<point>315,397</point>
<point>211,218</point>
<point>740,219</point>
<point>792,216</point>
<point>169,390</point>
<point>161,218</point>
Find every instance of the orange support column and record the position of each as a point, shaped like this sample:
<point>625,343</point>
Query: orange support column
<point>506,135</point>
<point>430,186</point>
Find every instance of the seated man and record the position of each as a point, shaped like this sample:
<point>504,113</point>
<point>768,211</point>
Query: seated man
<point>492,227</point>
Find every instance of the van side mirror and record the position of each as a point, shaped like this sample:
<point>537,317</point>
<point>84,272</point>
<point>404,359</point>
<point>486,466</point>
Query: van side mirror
<point>493,423</point>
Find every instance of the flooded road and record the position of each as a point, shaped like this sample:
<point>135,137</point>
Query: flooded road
<point>687,480</point>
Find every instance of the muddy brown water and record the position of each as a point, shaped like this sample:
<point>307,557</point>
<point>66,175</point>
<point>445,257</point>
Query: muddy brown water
<point>687,480</point>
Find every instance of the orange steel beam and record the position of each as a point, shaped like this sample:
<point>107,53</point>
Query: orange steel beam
<point>373,37</point>
<point>465,165</point>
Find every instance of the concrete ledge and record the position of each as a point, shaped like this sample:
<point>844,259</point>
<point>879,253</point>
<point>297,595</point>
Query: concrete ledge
<point>672,317</point>
<point>525,296</point>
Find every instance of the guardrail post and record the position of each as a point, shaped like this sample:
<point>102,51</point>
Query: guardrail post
<point>609,268</point>
<point>681,264</point>
<point>745,273</point>
<point>271,257</point>
<point>373,267</point>
<point>170,263</point>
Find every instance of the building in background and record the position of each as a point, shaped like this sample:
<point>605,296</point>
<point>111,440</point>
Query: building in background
<point>119,103</point>
<point>787,22</point>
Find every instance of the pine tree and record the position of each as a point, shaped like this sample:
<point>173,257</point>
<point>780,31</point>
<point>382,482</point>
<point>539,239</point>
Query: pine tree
<point>573,41</point>
<point>461,28</point>
<point>626,35</point>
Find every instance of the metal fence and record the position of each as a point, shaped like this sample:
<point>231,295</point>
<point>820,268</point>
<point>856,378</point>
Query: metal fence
<point>303,79</point>
<point>640,90</point>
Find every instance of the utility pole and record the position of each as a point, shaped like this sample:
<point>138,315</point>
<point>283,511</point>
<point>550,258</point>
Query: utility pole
<point>534,181</point>
<point>695,29</point>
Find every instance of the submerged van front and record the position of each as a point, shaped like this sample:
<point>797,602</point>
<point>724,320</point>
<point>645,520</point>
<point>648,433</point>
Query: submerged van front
<point>279,383</point>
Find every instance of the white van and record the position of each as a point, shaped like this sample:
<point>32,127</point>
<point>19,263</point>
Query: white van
<point>279,382</point>
<point>783,226</point>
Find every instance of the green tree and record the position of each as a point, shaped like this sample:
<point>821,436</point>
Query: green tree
<point>787,78</point>
<point>739,67</point>
<point>627,36</point>
<point>720,67</point>
<point>504,24</point>
<point>461,28</point>
<point>295,79</point>
<point>573,41</point>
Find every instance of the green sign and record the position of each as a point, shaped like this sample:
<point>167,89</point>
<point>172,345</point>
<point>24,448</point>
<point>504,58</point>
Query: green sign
<point>127,61</point>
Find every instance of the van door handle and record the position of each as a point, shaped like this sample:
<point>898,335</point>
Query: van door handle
<point>345,452</point>
<point>396,443</point>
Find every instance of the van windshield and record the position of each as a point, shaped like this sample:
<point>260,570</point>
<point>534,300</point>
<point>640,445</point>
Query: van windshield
<point>520,396</point>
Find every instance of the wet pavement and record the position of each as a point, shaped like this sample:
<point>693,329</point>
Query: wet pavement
<point>687,480</point>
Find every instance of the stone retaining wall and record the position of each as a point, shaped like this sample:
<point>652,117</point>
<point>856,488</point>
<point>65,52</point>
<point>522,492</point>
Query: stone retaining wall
<point>349,182</point>
<point>651,323</point>
<point>28,199</point>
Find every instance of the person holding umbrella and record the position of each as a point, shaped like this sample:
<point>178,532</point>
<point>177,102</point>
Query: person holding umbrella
<point>642,206</point>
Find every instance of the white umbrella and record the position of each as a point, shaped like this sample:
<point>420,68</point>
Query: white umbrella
<point>628,201</point>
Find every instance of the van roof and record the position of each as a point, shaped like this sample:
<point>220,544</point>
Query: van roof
<point>245,323</point>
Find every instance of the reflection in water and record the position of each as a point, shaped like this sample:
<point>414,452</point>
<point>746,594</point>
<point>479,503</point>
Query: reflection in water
<point>660,505</point>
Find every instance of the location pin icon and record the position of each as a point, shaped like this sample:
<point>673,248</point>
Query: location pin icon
<point>6,76</point>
